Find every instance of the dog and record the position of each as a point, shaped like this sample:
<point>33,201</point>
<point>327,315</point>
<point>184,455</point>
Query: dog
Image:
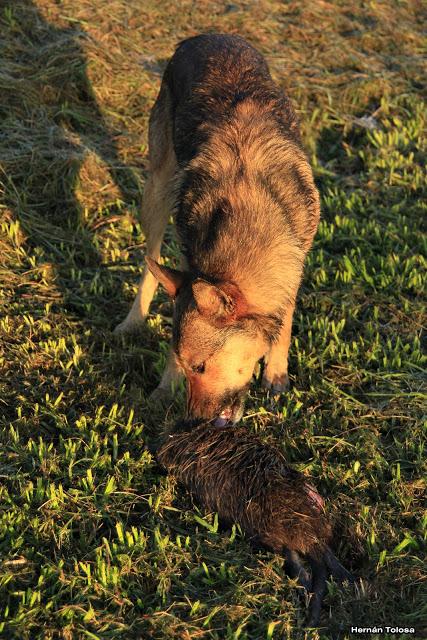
<point>250,483</point>
<point>227,161</point>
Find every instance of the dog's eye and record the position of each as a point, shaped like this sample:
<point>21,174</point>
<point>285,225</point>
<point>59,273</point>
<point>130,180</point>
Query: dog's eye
<point>200,368</point>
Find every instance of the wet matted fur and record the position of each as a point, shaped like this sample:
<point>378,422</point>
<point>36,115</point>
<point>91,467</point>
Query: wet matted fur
<point>247,482</point>
<point>227,161</point>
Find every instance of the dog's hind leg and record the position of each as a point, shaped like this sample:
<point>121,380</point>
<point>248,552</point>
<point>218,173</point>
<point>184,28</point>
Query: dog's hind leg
<point>158,204</point>
<point>275,375</point>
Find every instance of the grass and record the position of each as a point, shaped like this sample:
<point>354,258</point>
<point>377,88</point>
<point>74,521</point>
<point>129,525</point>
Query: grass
<point>94,543</point>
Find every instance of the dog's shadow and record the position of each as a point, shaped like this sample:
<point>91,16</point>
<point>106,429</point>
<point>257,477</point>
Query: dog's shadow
<point>53,129</point>
<point>52,123</point>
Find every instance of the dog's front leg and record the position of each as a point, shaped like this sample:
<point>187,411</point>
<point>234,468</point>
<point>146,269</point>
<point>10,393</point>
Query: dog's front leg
<point>275,375</point>
<point>158,204</point>
<point>171,377</point>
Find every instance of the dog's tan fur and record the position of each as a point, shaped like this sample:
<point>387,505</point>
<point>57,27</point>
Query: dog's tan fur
<point>246,219</point>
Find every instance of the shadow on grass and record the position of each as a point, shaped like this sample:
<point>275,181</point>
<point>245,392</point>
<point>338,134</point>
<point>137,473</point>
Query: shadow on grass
<point>52,128</point>
<point>51,122</point>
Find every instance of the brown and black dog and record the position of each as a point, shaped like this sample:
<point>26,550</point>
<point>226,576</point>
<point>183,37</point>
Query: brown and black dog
<point>227,161</point>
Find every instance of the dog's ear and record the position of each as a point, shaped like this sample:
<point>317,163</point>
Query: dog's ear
<point>212,301</point>
<point>171,279</point>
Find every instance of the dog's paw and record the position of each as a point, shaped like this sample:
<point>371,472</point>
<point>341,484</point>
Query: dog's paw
<point>127,327</point>
<point>121,329</point>
<point>277,383</point>
<point>161,398</point>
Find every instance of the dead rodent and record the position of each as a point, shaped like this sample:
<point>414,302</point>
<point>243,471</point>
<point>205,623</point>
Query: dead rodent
<point>249,483</point>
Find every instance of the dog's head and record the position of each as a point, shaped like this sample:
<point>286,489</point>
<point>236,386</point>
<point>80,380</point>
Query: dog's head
<point>217,342</point>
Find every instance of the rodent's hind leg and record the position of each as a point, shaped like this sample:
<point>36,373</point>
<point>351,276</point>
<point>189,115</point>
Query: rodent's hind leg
<point>318,590</point>
<point>295,569</point>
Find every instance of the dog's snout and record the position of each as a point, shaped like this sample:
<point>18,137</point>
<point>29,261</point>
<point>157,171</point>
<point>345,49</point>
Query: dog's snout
<point>207,406</point>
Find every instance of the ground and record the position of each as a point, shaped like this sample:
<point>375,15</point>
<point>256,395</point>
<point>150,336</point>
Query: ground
<point>94,541</point>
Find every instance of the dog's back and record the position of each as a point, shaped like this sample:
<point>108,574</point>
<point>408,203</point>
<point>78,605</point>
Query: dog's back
<point>208,76</point>
<point>247,207</point>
